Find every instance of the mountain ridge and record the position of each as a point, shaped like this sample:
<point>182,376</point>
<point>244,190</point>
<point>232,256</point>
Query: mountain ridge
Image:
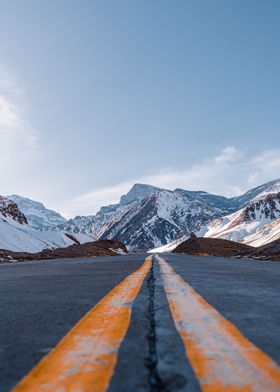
<point>149,217</point>
<point>17,235</point>
<point>246,224</point>
<point>38,216</point>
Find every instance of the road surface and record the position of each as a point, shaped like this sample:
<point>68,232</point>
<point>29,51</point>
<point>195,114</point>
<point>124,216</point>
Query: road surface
<point>168,323</point>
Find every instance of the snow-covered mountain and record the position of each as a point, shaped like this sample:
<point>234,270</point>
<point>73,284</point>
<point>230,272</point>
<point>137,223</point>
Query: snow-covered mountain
<point>147,217</point>
<point>170,246</point>
<point>10,210</point>
<point>80,224</point>
<point>268,233</point>
<point>253,194</point>
<point>255,220</point>
<point>254,224</point>
<point>17,235</point>
<point>38,216</point>
<point>158,219</point>
<point>138,191</point>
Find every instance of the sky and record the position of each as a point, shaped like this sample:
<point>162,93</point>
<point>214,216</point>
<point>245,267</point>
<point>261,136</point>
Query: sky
<point>96,95</point>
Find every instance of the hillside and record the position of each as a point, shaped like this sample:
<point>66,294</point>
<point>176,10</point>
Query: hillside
<point>38,216</point>
<point>17,235</point>
<point>255,224</point>
<point>270,251</point>
<point>90,249</point>
<point>211,247</point>
<point>148,216</point>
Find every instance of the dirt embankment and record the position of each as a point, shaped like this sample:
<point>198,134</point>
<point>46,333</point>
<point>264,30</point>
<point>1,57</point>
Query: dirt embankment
<point>270,251</point>
<point>218,247</point>
<point>89,249</point>
<point>211,247</point>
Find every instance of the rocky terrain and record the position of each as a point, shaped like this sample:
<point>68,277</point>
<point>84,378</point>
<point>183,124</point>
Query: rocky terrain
<point>270,251</point>
<point>202,246</point>
<point>253,194</point>
<point>211,247</point>
<point>79,224</point>
<point>90,249</point>
<point>254,224</point>
<point>38,216</point>
<point>9,209</point>
<point>17,235</point>
<point>147,216</point>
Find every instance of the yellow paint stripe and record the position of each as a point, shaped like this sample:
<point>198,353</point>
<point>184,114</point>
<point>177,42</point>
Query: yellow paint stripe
<point>222,358</point>
<point>85,358</point>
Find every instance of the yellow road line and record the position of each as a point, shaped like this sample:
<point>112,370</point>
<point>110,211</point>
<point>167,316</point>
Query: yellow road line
<point>85,358</point>
<point>222,358</point>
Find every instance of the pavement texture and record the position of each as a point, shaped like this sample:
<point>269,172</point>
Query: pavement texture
<point>244,291</point>
<point>41,301</point>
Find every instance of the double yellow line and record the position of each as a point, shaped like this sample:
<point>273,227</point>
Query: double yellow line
<point>222,358</point>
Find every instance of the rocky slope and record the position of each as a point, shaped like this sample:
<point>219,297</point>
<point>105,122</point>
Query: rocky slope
<point>17,235</point>
<point>38,216</point>
<point>256,193</point>
<point>270,251</point>
<point>253,224</point>
<point>90,249</point>
<point>211,247</point>
<point>79,224</point>
<point>10,210</point>
<point>148,216</point>
<point>268,233</point>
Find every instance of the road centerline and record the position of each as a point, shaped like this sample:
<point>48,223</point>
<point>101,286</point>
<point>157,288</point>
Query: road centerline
<point>154,379</point>
<point>87,355</point>
<point>222,358</point>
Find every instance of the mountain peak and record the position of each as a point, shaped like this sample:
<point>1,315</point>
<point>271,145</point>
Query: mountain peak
<point>38,216</point>
<point>138,191</point>
<point>22,199</point>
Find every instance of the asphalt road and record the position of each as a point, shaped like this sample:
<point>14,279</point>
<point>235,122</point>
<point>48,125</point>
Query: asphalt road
<point>41,301</point>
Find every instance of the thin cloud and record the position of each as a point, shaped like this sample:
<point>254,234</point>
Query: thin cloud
<point>229,173</point>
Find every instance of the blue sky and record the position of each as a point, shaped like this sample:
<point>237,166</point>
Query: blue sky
<point>96,95</point>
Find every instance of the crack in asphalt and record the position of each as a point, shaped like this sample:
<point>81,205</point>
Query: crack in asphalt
<point>154,380</point>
